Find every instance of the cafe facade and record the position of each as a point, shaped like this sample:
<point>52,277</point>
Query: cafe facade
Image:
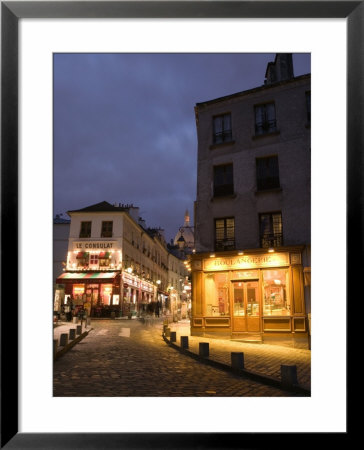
<point>256,293</point>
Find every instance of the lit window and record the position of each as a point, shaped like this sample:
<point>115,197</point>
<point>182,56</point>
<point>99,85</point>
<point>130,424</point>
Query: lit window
<point>265,119</point>
<point>275,292</point>
<point>222,128</point>
<point>94,259</point>
<point>217,298</point>
<point>267,173</point>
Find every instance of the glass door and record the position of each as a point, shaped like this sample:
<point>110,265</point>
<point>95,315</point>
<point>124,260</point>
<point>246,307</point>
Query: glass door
<point>246,313</point>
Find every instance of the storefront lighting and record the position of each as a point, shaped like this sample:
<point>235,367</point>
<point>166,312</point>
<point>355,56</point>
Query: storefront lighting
<point>212,255</point>
<point>129,270</point>
<point>158,281</point>
<point>270,250</point>
<point>194,251</point>
<point>241,253</point>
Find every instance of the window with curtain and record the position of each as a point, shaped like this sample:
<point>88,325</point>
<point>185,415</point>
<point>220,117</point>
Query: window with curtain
<point>271,234</point>
<point>222,128</point>
<point>225,234</point>
<point>265,119</point>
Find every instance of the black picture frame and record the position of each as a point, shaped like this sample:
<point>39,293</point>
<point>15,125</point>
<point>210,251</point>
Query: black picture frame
<point>11,12</point>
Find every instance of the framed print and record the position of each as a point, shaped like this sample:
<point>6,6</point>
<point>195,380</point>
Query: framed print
<point>26,197</point>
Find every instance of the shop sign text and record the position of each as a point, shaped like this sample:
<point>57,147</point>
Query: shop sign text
<point>93,245</point>
<point>247,262</point>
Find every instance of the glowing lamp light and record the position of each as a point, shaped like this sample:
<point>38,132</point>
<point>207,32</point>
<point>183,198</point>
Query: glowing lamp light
<point>270,250</point>
<point>212,255</point>
<point>158,281</point>
<point>129,270</point>
<point>241,253</point>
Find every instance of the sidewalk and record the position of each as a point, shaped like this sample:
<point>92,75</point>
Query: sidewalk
<point>259,359</point>
<point>64,328</point>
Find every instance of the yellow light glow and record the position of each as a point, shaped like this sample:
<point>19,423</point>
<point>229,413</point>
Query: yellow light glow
<point>271,250</point>
<point>212,255</point>
<point>241,253</point>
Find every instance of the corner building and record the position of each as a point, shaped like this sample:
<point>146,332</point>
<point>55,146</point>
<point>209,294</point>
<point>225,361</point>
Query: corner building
<point>252,262</point>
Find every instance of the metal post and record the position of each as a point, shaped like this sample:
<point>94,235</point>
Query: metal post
<point>184,341</point>
<point>204,349</point>
<point>288,375</point>
<point>237,360</point>
<point>173,337</point>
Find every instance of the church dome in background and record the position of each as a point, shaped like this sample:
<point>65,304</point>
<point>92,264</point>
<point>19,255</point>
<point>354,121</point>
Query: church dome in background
<point>186,231</point>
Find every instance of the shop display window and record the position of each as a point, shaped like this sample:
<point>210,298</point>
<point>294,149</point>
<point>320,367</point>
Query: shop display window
<point>216,294</point>
<point>275,292</point>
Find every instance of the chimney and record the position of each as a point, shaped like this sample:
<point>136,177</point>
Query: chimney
<point>279,70</point>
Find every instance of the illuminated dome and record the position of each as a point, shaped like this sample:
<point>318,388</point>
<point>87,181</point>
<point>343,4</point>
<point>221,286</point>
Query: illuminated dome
<point>186,232</point>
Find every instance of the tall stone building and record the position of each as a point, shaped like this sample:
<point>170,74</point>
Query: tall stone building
<point>251,269</point>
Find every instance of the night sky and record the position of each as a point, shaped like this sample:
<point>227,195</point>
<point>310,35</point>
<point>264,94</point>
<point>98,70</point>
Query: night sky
<point>124,126</point>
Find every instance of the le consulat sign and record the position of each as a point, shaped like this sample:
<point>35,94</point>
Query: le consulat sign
<point>247,262</point>
<point>94,245</point>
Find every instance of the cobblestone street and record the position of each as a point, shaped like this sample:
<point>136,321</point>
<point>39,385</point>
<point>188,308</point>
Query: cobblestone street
<point>128,358</point>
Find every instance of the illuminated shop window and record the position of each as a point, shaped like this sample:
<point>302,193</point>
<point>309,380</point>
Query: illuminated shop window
<point>216,294</point>
<point>275,292</point>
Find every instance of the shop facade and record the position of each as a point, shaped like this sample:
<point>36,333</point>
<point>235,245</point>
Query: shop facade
<point>255,293</point>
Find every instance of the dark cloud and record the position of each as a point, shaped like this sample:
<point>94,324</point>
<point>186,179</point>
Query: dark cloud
<point>124,126</point>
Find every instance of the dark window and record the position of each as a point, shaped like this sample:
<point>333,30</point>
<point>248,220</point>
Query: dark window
<point>265,119</point>
<point>222,128</point>
<point>85,231</point>
<point>106,229</point>
<point>271,229</point>
<point>225,234</point>
<point>308,106</point>
<point>267,173</point>
<point>223,180</point>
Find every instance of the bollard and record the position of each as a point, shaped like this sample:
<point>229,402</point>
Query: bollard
<point>88,321</point>
<point>167,332</point>
<point>237,360</point>
<point>78,330</point>
<point>173,337</point>
<point>72,334</point>
<point>288,375</point>
<point>184,341</point>
<point>75,320</point>
<point>63,339</point>
<point>204,349</point>
<point>55,346</point>
<point>164,328</point>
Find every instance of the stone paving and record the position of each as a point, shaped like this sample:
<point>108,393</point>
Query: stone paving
<point>121,358</point>
<point>264,359</point>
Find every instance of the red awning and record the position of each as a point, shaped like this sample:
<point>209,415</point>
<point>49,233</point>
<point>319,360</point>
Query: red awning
<point>86,277</point>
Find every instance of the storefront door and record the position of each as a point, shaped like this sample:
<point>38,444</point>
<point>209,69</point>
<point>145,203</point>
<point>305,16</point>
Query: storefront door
<point>246,306</point>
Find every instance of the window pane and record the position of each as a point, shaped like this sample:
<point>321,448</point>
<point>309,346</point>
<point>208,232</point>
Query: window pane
<point>216,289</point>
<point>275,295</point>
<point>239,300</point>
<point>267,173</point>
